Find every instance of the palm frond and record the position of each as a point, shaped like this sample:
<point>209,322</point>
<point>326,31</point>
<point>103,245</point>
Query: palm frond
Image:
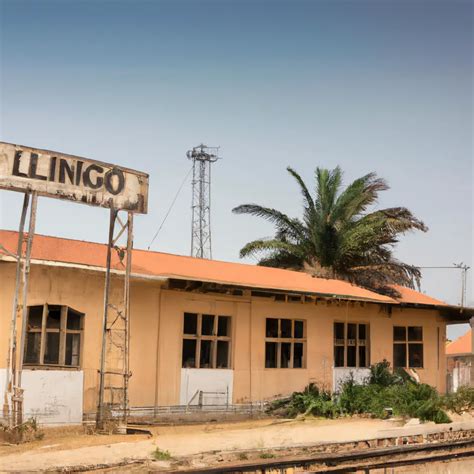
<point>265,245</point>
<point>337,236</point>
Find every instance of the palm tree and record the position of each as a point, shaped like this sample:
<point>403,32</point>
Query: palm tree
<point>337,237</point>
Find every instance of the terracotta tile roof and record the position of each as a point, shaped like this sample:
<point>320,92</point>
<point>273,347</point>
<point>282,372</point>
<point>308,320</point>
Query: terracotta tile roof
<point>461,345</point>
<point>415,297</point>
<point>156,264</point>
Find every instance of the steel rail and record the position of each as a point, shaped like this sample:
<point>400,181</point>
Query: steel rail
<point>332,460</point>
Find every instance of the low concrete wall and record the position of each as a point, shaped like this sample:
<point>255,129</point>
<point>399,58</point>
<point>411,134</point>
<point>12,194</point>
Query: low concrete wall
<point>217,382</point>
<point>53,397</point>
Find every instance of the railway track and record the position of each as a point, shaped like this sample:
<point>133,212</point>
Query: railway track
<point>364,461</point>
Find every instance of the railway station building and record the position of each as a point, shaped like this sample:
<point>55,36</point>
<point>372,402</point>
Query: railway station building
<point>206,332</point>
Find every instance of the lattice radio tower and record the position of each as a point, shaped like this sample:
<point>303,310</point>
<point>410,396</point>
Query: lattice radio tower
<point>202,157</point>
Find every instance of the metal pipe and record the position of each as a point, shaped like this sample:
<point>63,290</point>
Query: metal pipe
<point>11,356</point>
<point>127,313</point>
<point>24,313</point>
<point>100,407</point>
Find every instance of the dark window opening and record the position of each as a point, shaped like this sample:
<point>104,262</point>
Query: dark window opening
<point>35,317</point>
<point>223,326</point>
<point>339,356</point>
<point>408,346</point>
<point>271,355</point>
<point>206,341</point>
<point>299,329</point>
<point>399,333</point>
<point>73,319</point>
<point>207,328</point>
<point>399,355</point>
<point>190,323</point>
<point>415,355</point>
<point>222,354</point>
<point>285,355</point>
<point>53,336</point>
<point>271,327</point>
<point>351,331</point>
<point>73,344</point>
<point>206,354</point>
<point>298,355</point>
<point>287,351</point>
<point>351,345</point>
<point>51,352</point>
<point>339,331</point>
<point>285,325</point>
<point>54,317</point>
<point>33,340</point>
<point>351,356</point>
<point>415,333</point>
<point>362,356</point>
<point>189,353</point>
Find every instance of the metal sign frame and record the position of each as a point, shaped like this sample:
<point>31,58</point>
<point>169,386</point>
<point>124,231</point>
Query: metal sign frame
<point>29,181</point>
<point>71,177</point>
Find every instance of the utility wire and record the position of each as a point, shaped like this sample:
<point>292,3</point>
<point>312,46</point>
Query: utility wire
<point>171,207</point>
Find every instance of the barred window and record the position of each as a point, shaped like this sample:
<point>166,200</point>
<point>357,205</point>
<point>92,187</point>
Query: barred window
<point>53,336</point>
<point>351,345</point>
<point>285,343</point>
<point>206,341</point>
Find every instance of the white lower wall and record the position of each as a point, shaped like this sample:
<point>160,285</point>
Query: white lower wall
<point>206,380</point>
<point>51,396</point>
<point>341,374</point>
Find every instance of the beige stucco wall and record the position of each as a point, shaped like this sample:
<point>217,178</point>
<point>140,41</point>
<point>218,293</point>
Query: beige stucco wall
<point>157,327</point>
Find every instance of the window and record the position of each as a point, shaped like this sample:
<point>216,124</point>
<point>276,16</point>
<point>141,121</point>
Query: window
<point>206,341</point>
<point>284,344</point>
<point>408,346</point>
<point>351,345</point>
<point>53,336</point>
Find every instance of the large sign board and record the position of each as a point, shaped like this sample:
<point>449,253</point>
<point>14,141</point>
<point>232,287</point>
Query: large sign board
<point>73,178</point>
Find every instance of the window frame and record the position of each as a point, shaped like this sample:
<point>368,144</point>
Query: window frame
<point>214,338</point>
<point>407,343</point>
<point>279,340</point>
<point>357,343</point>
<point>62,330</point>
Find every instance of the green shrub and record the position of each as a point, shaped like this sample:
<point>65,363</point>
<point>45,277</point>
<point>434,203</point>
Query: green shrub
<point>381,375</point>
<point>383,390</point>
<point>460,401</point>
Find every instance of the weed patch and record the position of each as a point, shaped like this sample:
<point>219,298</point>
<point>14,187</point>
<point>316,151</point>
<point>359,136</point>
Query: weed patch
<point>24,433</point>
<point>384,391</point>
<point>160,455</point>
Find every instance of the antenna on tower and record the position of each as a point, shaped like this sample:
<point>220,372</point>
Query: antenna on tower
<point>202,157</point>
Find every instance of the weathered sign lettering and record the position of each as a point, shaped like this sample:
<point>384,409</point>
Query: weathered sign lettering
<point>71,177</point>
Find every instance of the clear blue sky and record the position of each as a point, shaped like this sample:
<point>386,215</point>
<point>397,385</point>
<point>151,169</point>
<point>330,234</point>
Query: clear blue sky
<point>381,86</point>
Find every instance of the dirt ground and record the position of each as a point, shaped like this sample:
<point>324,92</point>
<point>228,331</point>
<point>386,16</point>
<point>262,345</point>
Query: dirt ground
<point>190,445</point>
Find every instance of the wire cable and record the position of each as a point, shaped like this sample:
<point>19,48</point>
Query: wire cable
<point>171,207</point>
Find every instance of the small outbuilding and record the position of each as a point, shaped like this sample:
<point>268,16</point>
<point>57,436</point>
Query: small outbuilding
<point>460,360</point>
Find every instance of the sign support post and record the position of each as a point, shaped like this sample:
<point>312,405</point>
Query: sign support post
<point>13,408</point>
<point>114,362</point>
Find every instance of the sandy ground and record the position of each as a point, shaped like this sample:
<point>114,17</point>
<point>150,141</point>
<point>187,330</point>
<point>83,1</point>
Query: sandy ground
<point>61,449</point>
